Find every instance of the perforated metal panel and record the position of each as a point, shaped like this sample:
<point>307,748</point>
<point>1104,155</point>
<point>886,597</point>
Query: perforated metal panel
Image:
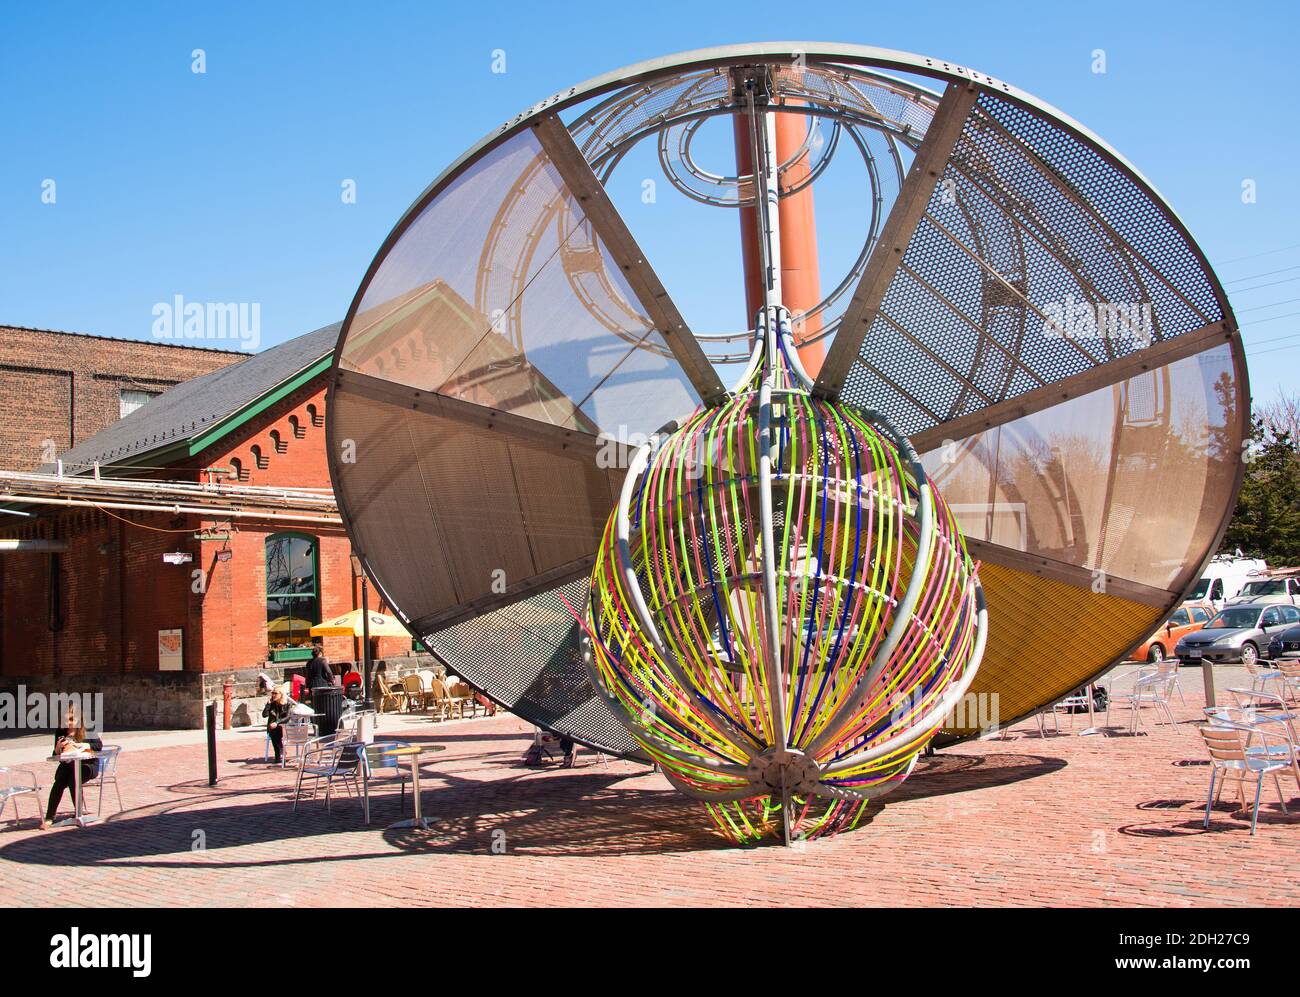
<point>529,657</point>
<point>1029,232</point>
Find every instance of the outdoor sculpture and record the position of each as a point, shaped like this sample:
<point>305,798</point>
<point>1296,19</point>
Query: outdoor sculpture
<point>782,608</point>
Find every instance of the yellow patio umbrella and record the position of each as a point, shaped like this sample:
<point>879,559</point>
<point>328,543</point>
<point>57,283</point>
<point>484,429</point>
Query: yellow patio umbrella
<point>350,625</point>
<point>288,624</point>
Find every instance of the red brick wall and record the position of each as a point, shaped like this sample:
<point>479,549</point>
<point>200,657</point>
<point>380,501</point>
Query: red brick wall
<point>115,602</point>
<point>66,387</point>
<point>235,635</point>
<point>114,594</point>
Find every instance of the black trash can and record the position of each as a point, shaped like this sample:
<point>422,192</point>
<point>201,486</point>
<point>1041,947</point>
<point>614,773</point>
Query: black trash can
<point>327,701</point>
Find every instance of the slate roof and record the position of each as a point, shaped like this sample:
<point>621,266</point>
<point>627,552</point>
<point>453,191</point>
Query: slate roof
<point>193,407</point>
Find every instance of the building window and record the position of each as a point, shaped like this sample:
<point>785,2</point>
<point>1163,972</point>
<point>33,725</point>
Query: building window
<point>292,589</point>
<point>130,399</point>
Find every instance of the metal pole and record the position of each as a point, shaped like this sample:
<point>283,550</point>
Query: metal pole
<point>365,641</point>
<point>212,743</point>
<point>762,137</point>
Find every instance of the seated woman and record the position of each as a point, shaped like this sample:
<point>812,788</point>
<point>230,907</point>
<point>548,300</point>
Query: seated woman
<point>72,738</point>
<point>276,712</point>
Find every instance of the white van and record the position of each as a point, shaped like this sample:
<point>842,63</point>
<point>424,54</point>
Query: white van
<point>1224,578</point>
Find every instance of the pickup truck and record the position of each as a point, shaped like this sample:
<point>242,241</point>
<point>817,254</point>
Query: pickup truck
<point>1268,592</point>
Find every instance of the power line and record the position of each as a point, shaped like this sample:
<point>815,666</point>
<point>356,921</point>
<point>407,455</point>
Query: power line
<point>1276,349</point>
<point>1271,318</point>
<point>1267,273</point>
<point>1255,256</point>
<point>1273,283</point>
<point>1275,339</point>
<point>1255,308</point>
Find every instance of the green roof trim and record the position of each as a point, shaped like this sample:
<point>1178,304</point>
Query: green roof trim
<point>259,405</point>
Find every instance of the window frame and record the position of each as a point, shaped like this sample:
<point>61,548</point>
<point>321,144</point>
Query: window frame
<point>291,597</point>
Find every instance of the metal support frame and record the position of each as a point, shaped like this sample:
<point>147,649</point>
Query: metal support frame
<point>1103,375</point>
<point>618,239</point>
<point>906,213</point>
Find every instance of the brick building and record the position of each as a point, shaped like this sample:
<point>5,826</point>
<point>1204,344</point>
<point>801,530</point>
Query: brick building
<point>58,389</point>
<point>158,638</point>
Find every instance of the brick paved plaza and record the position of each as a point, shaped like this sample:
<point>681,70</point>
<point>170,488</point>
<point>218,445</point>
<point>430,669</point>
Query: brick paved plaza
<point>1023,820</point>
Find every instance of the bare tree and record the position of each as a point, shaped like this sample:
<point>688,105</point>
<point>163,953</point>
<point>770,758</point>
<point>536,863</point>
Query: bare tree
<point>1281,415</point>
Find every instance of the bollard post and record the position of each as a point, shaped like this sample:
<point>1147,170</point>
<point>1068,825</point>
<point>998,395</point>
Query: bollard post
<point>227,697</point>
<point>212,743</point>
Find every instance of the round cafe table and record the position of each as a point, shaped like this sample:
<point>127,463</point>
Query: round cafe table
<point>413,752</point>
<point>80,818</point>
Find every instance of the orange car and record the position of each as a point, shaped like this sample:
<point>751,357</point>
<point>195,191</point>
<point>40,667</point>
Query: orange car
<point>1161,644</point>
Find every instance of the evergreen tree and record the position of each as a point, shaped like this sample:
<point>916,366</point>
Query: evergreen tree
<point>1266,521</point>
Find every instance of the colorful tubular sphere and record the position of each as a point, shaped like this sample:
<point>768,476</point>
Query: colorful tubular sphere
<point>816,693</point>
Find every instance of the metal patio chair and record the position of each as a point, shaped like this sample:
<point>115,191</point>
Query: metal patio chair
<point>15,783</point>
<point>1231,759</point>
<point>1288,677</point>
<point>1147,688</point>
<point>326,758</point>
<point>298,730</point>
<point>1262,672</point>
<point>1284,744</point>
<point>1170,667</point>
<point>376,764</point>
<point>105,776</point>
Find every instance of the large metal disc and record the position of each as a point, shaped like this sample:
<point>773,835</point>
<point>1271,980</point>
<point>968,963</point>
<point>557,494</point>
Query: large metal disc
<point>1023,305</point>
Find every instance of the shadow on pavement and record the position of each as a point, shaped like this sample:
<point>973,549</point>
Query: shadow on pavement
<point>587,811</point>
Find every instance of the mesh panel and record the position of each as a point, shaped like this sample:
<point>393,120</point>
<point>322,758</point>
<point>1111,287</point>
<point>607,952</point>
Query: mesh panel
<point>1075,482</point>
<point>1033,624</point>
<point>448,512</point>
<point>487,298</point>
<point>1036,261</point>
<point>528,657</point>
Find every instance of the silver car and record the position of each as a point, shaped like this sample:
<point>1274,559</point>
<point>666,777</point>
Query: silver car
<point>1236,633</point>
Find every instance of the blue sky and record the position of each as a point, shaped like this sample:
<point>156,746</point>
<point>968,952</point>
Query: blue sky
<point>225,186</point>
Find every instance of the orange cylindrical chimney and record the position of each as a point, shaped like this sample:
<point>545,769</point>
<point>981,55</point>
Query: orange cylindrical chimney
<point>800,275</point>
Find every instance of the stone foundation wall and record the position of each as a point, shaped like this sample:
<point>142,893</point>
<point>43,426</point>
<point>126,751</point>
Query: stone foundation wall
<point>176,700</point>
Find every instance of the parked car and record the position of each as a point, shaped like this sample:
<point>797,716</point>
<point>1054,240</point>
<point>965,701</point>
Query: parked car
<point>1286,645</point>
<point>1161,644</point>
<point>1268,592</point>
<point>1236,633</point>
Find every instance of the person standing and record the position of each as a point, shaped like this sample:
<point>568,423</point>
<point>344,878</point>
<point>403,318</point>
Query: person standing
<point>319,673</point>
<point>326,700</point>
